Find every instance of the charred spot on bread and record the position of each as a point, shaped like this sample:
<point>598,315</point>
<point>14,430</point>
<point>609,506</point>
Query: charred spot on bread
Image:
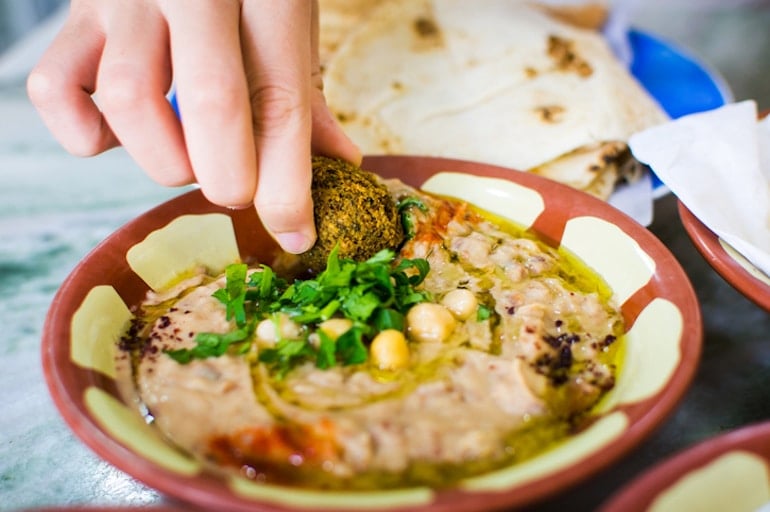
<point>550,113</point>
<point>566,58</point>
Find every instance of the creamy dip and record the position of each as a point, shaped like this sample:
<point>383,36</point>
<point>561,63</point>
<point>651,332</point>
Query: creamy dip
<point>496,389</point>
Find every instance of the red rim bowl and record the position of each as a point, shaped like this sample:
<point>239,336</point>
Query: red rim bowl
<point>667,284</point>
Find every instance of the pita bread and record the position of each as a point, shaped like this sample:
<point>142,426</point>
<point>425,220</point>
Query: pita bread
<point>336,19</point>
<point>585,15</point>
<point>502,82</point>
<point>595,169</point>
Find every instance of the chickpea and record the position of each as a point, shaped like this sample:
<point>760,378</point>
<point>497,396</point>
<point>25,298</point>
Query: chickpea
<point>461,303</point>
<point>428,322</point>
<point>270,330</point>
<point>314,339</point>
<point>266,332</point>
<point>335,327</point>
<point>389,351</point>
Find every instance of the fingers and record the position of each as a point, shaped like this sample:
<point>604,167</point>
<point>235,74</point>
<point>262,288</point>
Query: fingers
<point>133,78</point>
<point>277,52</point>
<point>213,97</point>
<point>61,84</point>
<point>128,74</point>
<point>250,112</point>
<point>327,136</point>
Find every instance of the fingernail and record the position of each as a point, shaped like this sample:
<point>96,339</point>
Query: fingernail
<point>240,206</point>
<point>293,242</point>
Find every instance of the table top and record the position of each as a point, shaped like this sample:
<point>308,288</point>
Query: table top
<point>54,208</point>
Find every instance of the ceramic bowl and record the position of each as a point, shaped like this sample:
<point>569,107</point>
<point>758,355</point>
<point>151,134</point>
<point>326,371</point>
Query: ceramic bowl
<point>93,307</point>
<point>734,268</point>
<point>728,263</point>
<point>724,472</point>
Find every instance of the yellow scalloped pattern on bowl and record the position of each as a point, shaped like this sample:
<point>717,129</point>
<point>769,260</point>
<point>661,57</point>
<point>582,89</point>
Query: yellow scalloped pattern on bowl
<point>96,328</point>
<point>744,473</point>
<point>125,425</point>
<point>612,253</point>
<point>743,262</point>
<point>501,197</point>
<point>331,500</point>
<point>209,240</point>
<point>187,242</point>
<point>652,354</point>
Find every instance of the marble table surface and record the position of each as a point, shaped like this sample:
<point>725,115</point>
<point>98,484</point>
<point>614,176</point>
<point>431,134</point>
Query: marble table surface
<point>54,208</point>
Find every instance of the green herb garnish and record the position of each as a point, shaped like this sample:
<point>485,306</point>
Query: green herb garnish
<point>482,313</point>
<point>374,294</point>
<point>233,294</point>
<point>285,355</point>
<point>403,206</point>
<point>214,345</point>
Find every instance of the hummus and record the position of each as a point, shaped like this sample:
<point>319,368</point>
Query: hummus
<point>503,383</point>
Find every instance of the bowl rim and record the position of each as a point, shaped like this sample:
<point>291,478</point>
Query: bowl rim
<point>640,492</point>
<point>565,203</point>
<point>710,247</point>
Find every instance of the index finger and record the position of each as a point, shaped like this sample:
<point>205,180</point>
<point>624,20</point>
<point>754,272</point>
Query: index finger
<point>61,84</point>
<point>213,97</point>
<point>277,55</point>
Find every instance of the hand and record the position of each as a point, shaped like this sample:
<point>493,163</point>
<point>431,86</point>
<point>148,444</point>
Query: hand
<point>248,87</point>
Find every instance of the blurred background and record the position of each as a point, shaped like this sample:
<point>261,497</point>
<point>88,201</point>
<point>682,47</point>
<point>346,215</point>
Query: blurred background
<point>19,16</point>
<point>730,36</point>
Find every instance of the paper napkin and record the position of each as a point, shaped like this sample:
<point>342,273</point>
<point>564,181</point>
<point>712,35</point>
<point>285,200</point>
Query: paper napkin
<point>718,164</point>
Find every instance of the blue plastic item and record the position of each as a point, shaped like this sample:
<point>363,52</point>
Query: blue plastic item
<point>679,82</point>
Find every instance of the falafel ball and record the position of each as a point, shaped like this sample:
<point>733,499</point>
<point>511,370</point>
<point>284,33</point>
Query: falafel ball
<point>352,209</point>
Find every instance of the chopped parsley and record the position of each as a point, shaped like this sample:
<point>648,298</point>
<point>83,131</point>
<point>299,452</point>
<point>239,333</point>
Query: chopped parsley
<point>403,206</point>
<point>214,345</point>
<point>483,313</point>
<point>374,294</point>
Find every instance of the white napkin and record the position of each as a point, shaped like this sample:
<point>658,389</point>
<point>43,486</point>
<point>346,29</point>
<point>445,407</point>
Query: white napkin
<point>718,164</point>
